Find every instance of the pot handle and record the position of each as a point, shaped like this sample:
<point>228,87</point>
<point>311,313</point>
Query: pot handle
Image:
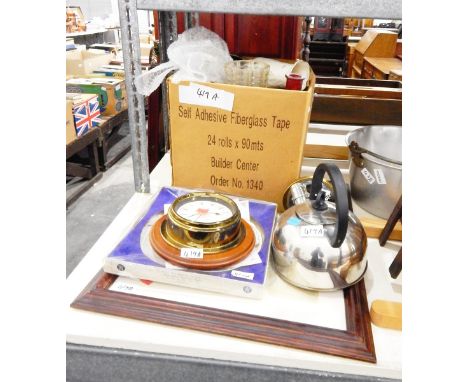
<point>357,151</point>
<point>341,199</point>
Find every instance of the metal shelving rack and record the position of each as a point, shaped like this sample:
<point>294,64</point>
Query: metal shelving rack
<point>381,9</point>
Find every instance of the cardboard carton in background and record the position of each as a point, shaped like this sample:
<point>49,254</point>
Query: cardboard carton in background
<point>111,91</point>
<point>70,124</point>
<point>86,114</point>
<point>255,150</point>
<point>145,38</point>
<point>110,71</point>
<point>145,50</point>
<point>81,62</point>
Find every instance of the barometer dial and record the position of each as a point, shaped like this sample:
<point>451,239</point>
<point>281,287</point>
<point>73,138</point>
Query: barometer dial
<point>204,211</point>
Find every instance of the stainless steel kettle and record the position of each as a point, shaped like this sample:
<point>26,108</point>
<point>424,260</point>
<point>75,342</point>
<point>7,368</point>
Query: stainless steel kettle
<point>318,244</point>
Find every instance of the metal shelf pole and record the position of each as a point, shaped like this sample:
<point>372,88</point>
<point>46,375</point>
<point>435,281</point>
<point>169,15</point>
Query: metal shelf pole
<point>167,23</point>
<point>191,19</point>
<point>136,106</point>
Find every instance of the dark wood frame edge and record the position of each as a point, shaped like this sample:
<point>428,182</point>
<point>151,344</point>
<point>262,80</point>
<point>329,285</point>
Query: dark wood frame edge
<point>356,342</point>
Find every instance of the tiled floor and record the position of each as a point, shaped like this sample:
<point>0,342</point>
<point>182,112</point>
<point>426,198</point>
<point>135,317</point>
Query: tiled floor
<point>91,214</point>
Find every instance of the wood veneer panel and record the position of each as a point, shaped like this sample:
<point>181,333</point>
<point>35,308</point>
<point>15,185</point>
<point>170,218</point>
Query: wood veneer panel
<point>356,110</point>
<point>326,151</point>
<point>356,342</point>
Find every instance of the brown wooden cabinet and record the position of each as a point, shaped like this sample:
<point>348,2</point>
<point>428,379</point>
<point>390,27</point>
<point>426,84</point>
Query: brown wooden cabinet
<point>375,43</point>
<point>399,49</point>
<point>267,36</point>
<point>378,68</point>
<point>251,35</point>
<point>395,75</point>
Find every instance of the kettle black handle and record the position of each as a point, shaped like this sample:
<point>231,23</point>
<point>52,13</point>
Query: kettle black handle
<point>341,198</point>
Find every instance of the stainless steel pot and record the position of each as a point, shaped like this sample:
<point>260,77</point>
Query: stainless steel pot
<point>318,244</point>
<point>375,168</point>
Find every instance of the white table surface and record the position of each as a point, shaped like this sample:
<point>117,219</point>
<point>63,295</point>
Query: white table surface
<point>96,329</point>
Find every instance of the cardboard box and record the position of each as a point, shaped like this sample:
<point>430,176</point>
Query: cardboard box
<point>109,48</point>
<point>70,44</point>
<point>239,140</point>
<point>145,49</point>
<point>111,71</point>
<point>86,113</point>
<point>145,38</point>
<point>111,91</point>
<point>135,258</point>
<point>70,124</point>
<point>81,62</point>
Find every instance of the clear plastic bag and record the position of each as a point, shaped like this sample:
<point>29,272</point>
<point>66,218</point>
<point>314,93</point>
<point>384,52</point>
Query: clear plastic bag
<point>198,55</point>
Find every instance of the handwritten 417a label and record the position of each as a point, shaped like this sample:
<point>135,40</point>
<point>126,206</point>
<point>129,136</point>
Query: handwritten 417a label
<point>315,230</point>
<point>196,94</point>
<point>243,275</point>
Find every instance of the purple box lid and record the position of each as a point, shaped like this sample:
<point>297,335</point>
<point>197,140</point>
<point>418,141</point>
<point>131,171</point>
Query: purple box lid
<point>129,249</point>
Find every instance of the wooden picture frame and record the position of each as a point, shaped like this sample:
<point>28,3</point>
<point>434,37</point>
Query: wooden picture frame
<point>355,342</point>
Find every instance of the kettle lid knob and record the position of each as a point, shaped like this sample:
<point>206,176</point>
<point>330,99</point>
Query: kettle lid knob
<point>319,203</point>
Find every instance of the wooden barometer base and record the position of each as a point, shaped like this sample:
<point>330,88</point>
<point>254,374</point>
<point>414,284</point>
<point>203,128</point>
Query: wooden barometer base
<point>209,261</point>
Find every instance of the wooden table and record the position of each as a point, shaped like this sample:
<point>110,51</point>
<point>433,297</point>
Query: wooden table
<point>88,38</point>
<point>90,170</point>
<point>379,67</point>
<point>98,141</point>
<point>108,131</point>
<point>116,345</point>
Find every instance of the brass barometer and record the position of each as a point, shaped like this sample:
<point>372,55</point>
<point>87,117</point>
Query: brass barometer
<point>202,230</point>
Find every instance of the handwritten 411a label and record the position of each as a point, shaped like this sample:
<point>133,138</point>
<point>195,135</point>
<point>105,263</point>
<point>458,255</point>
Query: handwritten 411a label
<point>191,253</point>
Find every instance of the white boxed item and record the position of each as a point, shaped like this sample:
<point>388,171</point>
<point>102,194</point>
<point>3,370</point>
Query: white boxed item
<point>135,258</point>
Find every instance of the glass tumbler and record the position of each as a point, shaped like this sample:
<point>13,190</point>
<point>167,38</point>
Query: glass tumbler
<point>247,73</point>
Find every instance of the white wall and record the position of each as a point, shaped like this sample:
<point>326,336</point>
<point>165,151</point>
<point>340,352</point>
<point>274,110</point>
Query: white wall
<point>93,8</point>
<point>109,8</point>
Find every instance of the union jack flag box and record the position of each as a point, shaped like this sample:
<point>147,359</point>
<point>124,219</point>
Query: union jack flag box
<point>86,112</point>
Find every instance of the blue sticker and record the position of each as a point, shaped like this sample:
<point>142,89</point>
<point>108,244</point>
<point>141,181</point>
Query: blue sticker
<point>293,220</point>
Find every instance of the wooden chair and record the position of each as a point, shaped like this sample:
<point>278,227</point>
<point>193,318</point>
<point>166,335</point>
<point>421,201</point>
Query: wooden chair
<point>395,267</point>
